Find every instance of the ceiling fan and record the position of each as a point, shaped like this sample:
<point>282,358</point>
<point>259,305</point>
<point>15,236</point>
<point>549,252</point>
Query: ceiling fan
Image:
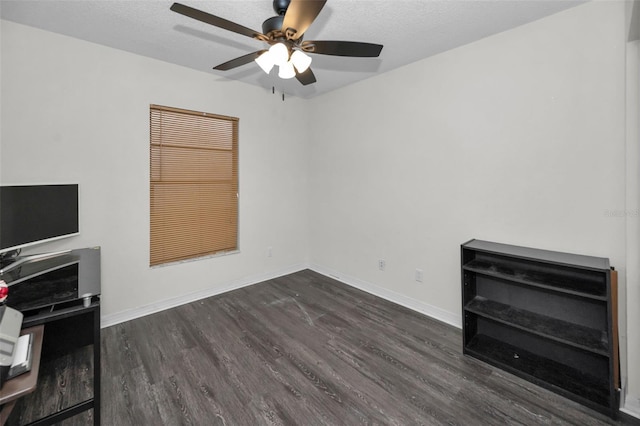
<point>284,34</point>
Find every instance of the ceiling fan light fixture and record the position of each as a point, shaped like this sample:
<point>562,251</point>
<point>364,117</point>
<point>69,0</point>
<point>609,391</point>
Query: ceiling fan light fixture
<point>265,61</point>
<point>284,34</point>
<point>280,54</point>
<point>300,60</point>
<point>286,71</point>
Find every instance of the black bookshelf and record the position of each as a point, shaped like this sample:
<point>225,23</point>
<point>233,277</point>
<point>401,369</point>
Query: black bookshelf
<point>544,316</point>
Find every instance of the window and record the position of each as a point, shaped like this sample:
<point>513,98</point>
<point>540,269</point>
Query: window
<point>194,184</point>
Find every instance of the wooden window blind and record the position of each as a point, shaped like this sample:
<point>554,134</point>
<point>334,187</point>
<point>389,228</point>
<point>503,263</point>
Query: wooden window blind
<point>194,184</point>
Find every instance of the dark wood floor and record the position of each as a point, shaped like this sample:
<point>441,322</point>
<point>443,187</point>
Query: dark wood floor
<point>62,382</point>
<point>307,350</point>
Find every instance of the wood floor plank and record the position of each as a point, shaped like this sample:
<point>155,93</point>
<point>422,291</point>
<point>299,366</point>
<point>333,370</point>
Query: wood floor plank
<point>305,349</point>
<point>63,381</point>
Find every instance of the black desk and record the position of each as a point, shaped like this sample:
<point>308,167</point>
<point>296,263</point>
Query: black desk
<point>69,327</point>
<point>52,291</point>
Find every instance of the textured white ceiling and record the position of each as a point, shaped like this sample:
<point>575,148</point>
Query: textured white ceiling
<point>410,30</point>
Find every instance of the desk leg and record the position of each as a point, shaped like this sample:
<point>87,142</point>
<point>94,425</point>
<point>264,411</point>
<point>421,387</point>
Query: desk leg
<point>6,411</point>
<point>96,367</point>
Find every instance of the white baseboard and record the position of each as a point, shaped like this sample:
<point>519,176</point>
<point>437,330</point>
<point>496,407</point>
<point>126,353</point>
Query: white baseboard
<point>127,315</point>
<point>408,302</point>
<point>631,405</point>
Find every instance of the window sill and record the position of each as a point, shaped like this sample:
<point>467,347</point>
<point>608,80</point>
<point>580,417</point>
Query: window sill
<point>195,259</point>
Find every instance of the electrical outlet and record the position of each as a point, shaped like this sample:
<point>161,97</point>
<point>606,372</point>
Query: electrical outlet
<point>419,275</point>
<point>269,252</point>
<point>382,264</point>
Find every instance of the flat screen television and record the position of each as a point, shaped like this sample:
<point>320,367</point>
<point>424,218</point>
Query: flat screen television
<point>33,214</point>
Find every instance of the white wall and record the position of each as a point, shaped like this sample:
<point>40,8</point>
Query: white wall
<point>517,138</point>
<point>0,95</point>
<point>79,112</point>
<point>632,295</point>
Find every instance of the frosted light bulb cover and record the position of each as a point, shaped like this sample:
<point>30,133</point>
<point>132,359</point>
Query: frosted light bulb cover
<point>279,53</point>
<point>265,61</point>
<point>287,71</point>
<point>300,60</point>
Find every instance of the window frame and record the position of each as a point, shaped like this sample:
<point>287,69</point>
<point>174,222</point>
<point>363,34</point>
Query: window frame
<point>208,153</point>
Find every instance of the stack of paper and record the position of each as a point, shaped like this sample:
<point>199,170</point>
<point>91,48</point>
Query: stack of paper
<point>22,356</point>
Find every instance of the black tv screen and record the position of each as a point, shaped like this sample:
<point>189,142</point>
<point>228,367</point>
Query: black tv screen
<point>36,213</point>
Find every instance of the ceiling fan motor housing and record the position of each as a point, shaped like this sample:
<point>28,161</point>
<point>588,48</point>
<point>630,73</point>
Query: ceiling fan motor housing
<point>272,24</point>
<point>280,6</point>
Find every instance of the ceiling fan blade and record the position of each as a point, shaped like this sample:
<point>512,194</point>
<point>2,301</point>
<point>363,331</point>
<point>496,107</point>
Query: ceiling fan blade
<point>306,77</point>
<point>300,14</point>
<point>343,48</point>
<point>216,21</point>
<point>237,62</point>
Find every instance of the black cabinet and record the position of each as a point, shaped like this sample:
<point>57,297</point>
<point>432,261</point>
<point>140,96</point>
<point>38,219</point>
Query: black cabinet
<point>544,316</point>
